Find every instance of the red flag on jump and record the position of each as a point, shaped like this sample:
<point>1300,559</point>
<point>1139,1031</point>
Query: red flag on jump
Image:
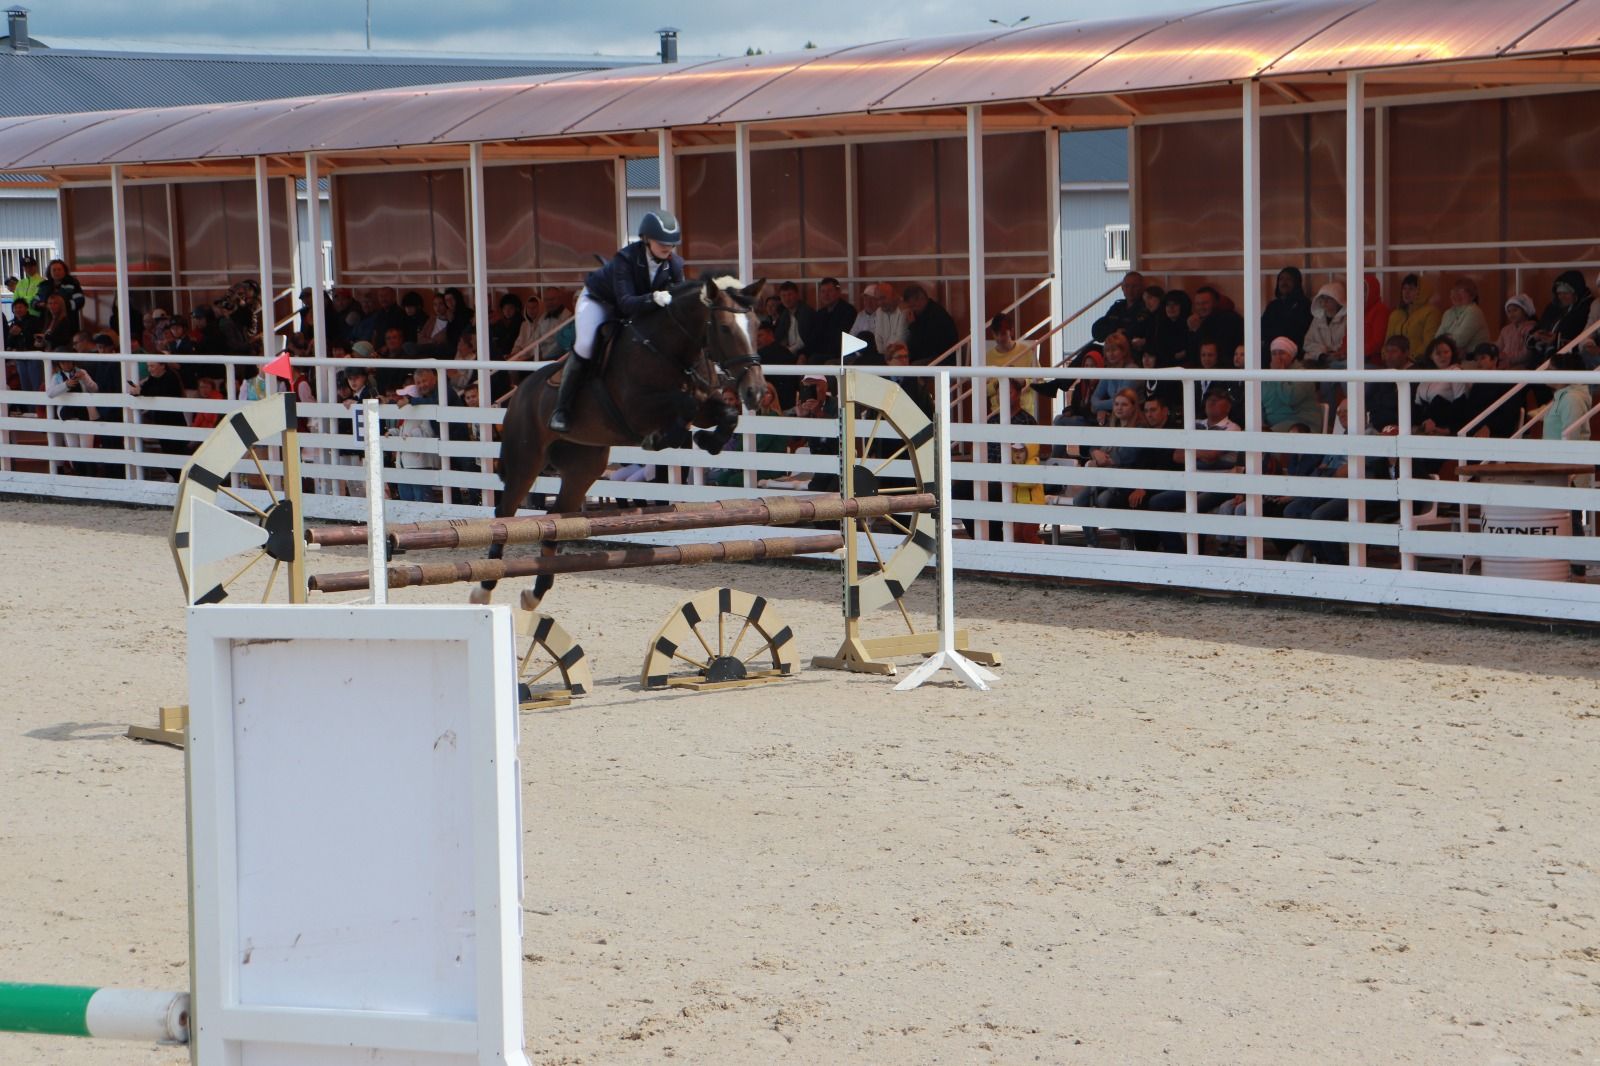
<point>279,368</point>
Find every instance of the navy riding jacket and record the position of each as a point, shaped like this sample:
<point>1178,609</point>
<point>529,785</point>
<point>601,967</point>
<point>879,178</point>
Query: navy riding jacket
<point>625,283</point>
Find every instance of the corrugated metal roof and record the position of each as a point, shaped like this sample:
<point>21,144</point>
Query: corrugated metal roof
<point>1217,45</point>
<point>53,81</point>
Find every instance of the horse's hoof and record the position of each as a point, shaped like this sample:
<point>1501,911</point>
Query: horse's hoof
<point>530,599</point>
<point>708,441</point>
<point>480,596</point>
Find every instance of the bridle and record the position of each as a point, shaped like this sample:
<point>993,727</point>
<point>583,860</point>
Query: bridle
<point>729,369</point>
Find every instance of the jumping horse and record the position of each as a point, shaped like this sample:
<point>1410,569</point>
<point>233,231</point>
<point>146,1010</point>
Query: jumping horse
<point>663,373</point>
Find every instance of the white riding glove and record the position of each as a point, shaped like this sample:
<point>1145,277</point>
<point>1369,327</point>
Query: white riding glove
<point>661,298</point>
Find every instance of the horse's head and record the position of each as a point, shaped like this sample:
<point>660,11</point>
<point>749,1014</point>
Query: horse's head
<point>730,335</point>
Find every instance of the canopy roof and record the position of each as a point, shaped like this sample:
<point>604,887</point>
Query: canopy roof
<point>1074,73</point>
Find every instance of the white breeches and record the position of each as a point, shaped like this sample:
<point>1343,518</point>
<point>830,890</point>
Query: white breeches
<point>588,315</point>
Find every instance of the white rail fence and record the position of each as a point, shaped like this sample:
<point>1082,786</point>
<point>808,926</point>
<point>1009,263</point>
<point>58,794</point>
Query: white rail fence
<point>1424,523</point>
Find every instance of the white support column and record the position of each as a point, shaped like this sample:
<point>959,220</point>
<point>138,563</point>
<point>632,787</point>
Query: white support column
<point>125,314</point>
<point>1380,189</point>
<point>1251,140</point>
<point>319,310</point>
<point>852,239</point>
<point>480,266</point>
<point>977,312</point>
<point>619,182</point>
<point>741,171</point>
<point>264,245</point>
<point>1052,167</point>
<point>1355,241</point>
<point>667,163</point>
<point>296,274</point>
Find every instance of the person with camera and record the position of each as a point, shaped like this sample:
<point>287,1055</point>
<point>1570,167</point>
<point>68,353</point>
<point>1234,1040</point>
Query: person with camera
<point>70,379</point>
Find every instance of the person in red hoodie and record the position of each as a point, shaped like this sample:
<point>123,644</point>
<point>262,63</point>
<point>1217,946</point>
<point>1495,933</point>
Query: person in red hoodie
<point>1377,324</point>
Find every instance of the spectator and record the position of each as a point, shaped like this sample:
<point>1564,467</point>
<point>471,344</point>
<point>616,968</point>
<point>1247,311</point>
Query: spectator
<point>160,381</point>
<point>460,314</point>
<point>155,330</point>
<point>880,317</point>
<point>1213,319</point>
<point>525,345</point>
<point>1022,455</point>
<point>1285,403</point>
<point>868,356</point>
<point>58,280</point>
<point>817,402</point>
<point>1126,314</point>
<point>20,335</point>
<point>1077,406</point>
<point>366,325</point>
<point>1169,335</point>
<point>353,387</point>
<point>1383,399</point>
<point>1210,359</point>
<point>56,332</point>
<point>69,379</point>
<point>1156,416</point>
<point>1288,314</point>
<point>1103,401</point>
<point>1153,299</point>
<point>1322,510</point>
<point>433,339</point>
<point>1325,340</point>
<point>796,323</point>
<point>1218,419</point>
<point>1171,392</point>
<point>1514,336</point>
<point>1006,350</point>
<point>389,314</point>
<point>503,332</point>
<point>1464,321</point>
<point>1125,414</point>
<point>771,352</point>
<point>1376,320</point>
<point>1570,405</point>
<point>1484,395</point>
<point>412,316</point>
<point>391,377</point>
<point>834,317</point>
<point>207,339</point>
<point>919,389</point>
<point>558,327</point>
<point>416,427</point>
<point>1415,318</point>
<point>932,331</point>
<point>27,287</point>
<point>1438,410</point>
<point>1564,318</point>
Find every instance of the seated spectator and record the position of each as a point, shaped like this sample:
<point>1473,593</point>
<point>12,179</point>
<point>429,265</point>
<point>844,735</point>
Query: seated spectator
<point>1076,409</point>
<point>1151,300</point>
<point>1438,410</point>
<point>365,327</point>
<point>1569,408</point>
<point>416,427</point>
<point>557,327</point>
<point>834,318</point>
<point>919,389</point>
<point>55,332</point>
<point>1106,389</point>
<point>1322,510</point>
<point>1169,334</point>
<point>816,401</point>
<point>391,377</point>
<point>59,281</point>
<point>466,371</point>
<point>207,339</point>
<point>206,389</point>
<point>1383,399</point>
<point>1156,415</point>
<point>1463,322</point>
<point>503,331</point>
<point>796,323</point>
<point>1325,340</point>
<point>1218,419</point>
<point>1210,359</point>
<point>1484,395</point>
<point>880,317</point>
<point>1125,414</point>
<point>412,316</point>
<point>1415,317</point>
<point>1376,321</point>
<point>1006,350</point>
<point>1514,336</point>
<point>434,336</point>
<point>1288,314</point>
<point>1025,454</point>
<point>1212,319</point>
<point>931,331</point>
<point>353,387</point>
<point>773,353</point>
<point>1285,403</point>
<point>1171,392</point>
<point>1126,314</point>
<point>525,346</point>
<point>1564,318</point>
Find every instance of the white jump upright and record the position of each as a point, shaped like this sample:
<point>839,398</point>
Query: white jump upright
<point>377,540</point>
<point>947,657</point>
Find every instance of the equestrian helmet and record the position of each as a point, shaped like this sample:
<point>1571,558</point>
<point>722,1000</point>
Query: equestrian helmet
<point>660,226</point>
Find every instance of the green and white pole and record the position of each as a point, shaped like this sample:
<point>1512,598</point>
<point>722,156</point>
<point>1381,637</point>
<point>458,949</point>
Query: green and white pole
<point>102,1013</point>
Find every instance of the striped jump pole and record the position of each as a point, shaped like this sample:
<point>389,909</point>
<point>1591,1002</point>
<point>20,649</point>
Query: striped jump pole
<point>409,575</point>
<point>530,529</point>
<point>102,1013</point>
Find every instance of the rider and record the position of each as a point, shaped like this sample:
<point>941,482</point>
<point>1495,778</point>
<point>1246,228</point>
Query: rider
<point>638,276</point>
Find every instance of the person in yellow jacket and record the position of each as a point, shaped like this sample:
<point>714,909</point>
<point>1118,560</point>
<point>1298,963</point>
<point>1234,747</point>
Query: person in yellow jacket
<point>1006,350</point>
<point>1021,455</point>
<point>1415,317</point>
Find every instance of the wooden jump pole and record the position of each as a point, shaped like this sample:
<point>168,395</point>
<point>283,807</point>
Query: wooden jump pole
<point>406,575</point>
<point>767,511</point>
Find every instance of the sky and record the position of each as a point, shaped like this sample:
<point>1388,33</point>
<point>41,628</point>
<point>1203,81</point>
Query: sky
<point>520,27</point>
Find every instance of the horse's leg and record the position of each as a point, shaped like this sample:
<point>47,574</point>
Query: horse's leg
<point>723,417</point>
<point>580,467</point>
<point>522,455</point>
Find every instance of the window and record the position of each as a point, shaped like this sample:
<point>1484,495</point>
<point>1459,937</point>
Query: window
<point>1118,258</point>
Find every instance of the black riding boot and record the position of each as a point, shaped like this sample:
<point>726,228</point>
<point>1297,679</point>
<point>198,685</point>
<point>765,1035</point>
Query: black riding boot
<point>572,377</point>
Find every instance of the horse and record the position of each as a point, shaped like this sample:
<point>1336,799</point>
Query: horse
<point>660,377</point>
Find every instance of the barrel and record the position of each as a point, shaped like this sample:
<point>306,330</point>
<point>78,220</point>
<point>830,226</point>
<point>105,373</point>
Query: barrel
<point>1528,522</point>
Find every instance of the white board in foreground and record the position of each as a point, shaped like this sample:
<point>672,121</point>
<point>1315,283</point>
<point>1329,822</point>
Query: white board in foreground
<point>354,836</point>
